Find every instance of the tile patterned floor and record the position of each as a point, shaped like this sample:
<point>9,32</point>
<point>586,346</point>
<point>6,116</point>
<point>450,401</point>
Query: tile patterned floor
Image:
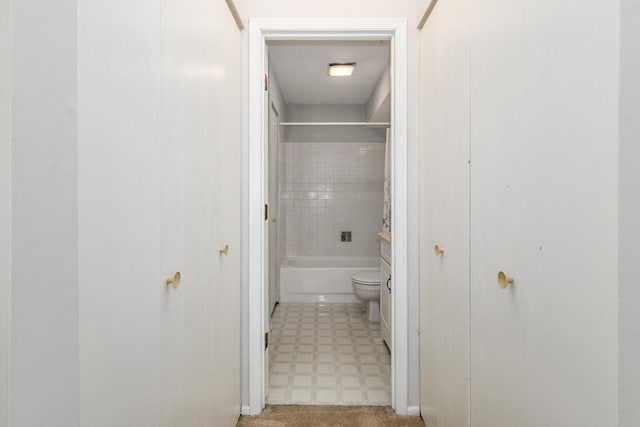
<point>327,354</point>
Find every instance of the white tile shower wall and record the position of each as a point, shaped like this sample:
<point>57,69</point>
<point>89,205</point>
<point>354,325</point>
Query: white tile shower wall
<point>327,188</point>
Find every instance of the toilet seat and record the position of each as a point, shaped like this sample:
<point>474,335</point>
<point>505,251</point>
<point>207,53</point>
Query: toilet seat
<point>367,278</point>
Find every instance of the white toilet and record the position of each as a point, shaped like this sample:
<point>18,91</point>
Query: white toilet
<point>366,286</point>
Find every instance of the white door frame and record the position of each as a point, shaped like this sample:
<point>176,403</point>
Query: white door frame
<point>260,30</point>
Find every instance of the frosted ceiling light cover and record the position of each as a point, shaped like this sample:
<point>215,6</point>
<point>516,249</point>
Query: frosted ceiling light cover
<point>341,70</point>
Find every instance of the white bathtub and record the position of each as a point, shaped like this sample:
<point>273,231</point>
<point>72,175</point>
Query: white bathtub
<point>321,279</point>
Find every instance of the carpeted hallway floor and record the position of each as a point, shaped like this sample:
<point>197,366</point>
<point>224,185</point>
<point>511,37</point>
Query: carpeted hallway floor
<point>328,416</point>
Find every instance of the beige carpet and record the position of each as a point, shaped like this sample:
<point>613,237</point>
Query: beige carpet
<point>328,416</point>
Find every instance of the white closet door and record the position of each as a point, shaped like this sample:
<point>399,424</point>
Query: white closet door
<point>500,235</point>
<point>430,271</point>
<point>445,193</point>
<point>543,174</point>
<point>200,331</point>
<point>454,328</point>
<point>225,319</point>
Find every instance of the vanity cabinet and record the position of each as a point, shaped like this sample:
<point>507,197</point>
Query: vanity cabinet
<point>385,287</point>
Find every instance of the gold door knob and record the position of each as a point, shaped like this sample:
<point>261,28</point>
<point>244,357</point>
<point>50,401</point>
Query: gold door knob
<point>438,250</point>
<point>504,280</point>
<point>173,280</point>
<point>225,250</point>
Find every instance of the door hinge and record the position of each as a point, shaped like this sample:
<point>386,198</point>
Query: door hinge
<point>266,212</point>
<point>266,340</point>
<point>266,82</point>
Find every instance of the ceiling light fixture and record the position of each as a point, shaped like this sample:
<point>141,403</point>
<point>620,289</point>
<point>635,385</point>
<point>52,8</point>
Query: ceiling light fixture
<point>341,70</point>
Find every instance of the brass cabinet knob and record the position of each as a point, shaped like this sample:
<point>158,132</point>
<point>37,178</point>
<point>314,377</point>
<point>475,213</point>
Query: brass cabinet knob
<point>173,280</point>
<point>438,250</point>
<point>225,250</point>
<point>504,280</point>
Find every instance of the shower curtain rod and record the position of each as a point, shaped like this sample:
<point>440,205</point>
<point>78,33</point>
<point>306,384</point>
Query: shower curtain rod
<point>369,124</point>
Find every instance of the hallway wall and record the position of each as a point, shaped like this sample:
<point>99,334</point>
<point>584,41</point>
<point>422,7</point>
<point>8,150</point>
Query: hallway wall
<point>6,54</point>
<point>44,294</point>
<point>629,230</point>
<point>405,9</point>
<point>120,190</point>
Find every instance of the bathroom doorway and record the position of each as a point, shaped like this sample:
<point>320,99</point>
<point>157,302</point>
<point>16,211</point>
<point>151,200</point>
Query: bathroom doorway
<point>263,32</point>
<point>328,205</point>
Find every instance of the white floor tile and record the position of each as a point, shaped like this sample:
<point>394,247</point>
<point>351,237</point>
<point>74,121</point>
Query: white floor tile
<point>347,358</point>
<point>302,381</point>
<point>368,358</point>
<point>304,357</point>
<point>278,380</point>
<point>276,395</point>
<point>283,357</point>
<point>349,369</point>
<point>326,358</point>
<point>377,396</point>
<point>374,382</point>
<point>301,395</point>
<point>350,382</point>
<point>370,369</point>
<point>284,348</point>
<point>326,381</point>
<point>327,354</point>
<point>352,396</point>
<point>303,368</point>
<point>325,368</point>
<point>327,396</point>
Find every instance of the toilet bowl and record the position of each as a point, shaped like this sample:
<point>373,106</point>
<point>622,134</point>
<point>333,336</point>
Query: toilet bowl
<point>366,286</point>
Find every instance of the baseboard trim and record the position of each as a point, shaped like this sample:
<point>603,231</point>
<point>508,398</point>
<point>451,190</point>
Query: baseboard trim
<point>414,411</point>
<point>245,410</point>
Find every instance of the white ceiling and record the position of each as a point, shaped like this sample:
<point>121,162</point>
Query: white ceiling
<point>301,70</point>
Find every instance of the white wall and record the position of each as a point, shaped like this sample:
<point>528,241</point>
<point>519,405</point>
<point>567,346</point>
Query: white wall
<point>6,54</point>
<point>44,300</point>
<point>378,106</point>
<point>119,161</point>
<point>407,9</point>
<point>629,231</point>
<point>327,188</point>
<point>275,94</point>
<point>159,192</point>
<point>330,113</point>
